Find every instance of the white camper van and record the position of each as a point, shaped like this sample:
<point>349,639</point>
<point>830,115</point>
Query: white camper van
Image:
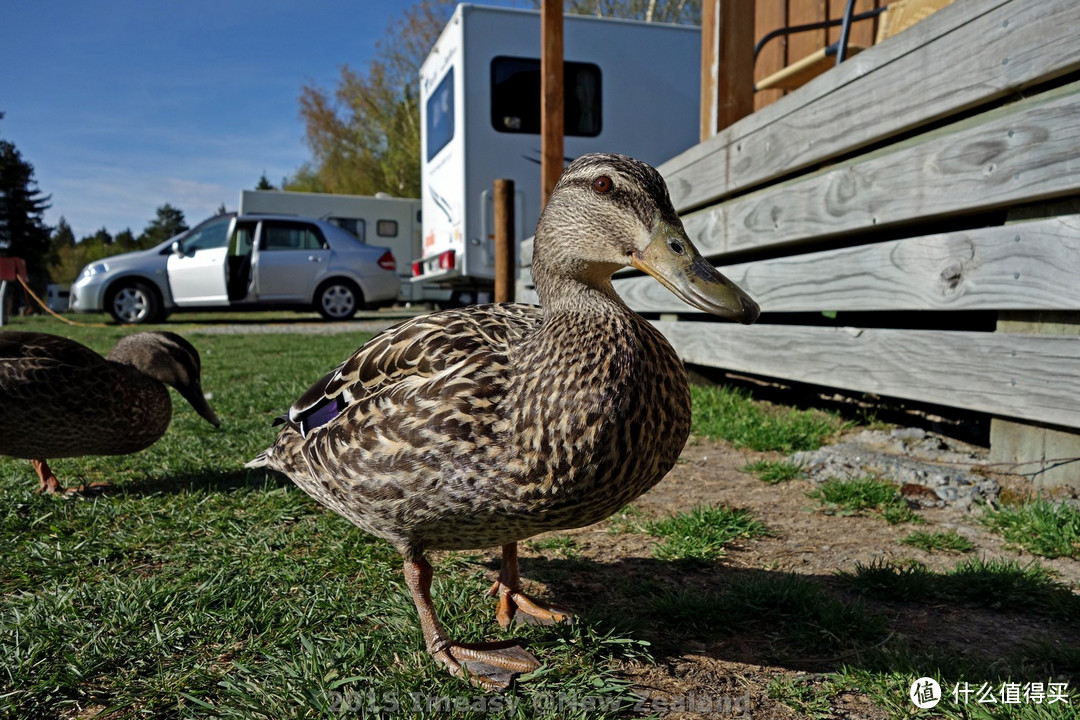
<point>630,87</point>
<point>377,220</point>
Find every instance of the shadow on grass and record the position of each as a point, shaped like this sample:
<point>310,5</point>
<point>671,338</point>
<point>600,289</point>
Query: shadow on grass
<point>221,481</point>
<point>985,621</point>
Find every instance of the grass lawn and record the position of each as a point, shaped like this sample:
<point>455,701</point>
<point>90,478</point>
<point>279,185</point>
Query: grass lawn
<point>196,588</point>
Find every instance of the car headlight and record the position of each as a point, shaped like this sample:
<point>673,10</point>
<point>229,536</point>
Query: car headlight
<point>94,269</point>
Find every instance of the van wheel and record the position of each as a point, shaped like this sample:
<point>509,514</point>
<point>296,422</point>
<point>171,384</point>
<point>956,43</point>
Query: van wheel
<point>338,299</point>
<point>134,303</point>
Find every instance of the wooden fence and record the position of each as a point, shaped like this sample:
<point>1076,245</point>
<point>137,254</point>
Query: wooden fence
<point>924,185</point>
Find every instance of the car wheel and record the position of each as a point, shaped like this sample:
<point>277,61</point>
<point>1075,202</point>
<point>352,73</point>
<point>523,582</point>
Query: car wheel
<point>134,303</point>
<point>338,299</point>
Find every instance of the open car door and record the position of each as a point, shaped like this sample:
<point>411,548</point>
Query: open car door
<point>197,268</point>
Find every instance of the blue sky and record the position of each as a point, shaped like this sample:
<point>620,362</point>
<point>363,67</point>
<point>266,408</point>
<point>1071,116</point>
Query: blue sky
<point>124,105</point>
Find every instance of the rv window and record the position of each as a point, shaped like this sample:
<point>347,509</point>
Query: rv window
<point>353,225</point>
<point>386,228</point>
<point>515,96</point>
<point>440,115</point>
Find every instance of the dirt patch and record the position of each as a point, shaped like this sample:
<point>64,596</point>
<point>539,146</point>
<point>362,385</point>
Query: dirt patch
<point>723,671</point>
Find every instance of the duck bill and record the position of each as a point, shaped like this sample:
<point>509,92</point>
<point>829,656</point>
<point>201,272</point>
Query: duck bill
<point>674,261</point>
<point>194,395</point>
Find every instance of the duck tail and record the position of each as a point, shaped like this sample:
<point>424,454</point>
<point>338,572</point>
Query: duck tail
<point>261,460</point>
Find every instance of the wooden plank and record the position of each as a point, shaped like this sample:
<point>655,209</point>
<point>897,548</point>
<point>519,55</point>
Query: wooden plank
<point>862,32</point>
<point>552,101</point>
<point>1029,377</point>
<point>966,54</point>
<point>1024,266</point>
<point>727,63</point>
<point>806,43</point>
<point>769,15</point>
<point>1026,152</point>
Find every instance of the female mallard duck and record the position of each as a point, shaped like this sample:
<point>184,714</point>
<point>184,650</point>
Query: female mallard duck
<point>61,399</point>
<point>485,425</point>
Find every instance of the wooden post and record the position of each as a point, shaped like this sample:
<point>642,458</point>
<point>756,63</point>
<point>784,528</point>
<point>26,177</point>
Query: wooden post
<point>551,90</point>
<point>504,240</point>
<point>727,63</point>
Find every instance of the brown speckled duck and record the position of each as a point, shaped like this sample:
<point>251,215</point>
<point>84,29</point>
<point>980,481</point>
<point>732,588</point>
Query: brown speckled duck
<point>61,399</point>
<point>485,425</point>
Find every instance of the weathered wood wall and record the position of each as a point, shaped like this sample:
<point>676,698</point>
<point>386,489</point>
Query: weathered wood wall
<point>924,175</point>
<point>783,51</point>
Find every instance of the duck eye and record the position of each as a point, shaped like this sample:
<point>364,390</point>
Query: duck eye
<point>602,184</point>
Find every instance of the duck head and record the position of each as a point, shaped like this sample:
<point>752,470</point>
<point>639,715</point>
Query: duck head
<point>170,359</point>
<point>609,212</point>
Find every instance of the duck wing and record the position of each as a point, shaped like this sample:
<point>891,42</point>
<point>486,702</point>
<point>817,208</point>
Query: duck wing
<point>413,352</point>
<point>32,349</point>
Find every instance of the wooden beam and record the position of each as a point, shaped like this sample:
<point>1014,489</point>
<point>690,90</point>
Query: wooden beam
<point>552,103</point>
<point>1020,153</point>
<point>1029,377</point>
<point>964,55</point>
<point>1022,266</point>
<point>727,63</point>
<point>504,240</point>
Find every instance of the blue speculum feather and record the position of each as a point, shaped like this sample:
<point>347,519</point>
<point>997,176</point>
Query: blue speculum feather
<point>321,414</point>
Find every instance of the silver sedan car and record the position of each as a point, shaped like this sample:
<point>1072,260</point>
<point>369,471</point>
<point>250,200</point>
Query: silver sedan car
<point>231,262</point>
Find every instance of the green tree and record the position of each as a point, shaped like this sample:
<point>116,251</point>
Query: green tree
<point>23,232</point>
<point>264,183</point>
<point>169,222</point>
<point>667,11</point>
<point>125,241</point>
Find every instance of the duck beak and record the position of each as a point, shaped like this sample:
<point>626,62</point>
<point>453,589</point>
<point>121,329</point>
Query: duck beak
<point>673,260</point>
<point>194,394</point>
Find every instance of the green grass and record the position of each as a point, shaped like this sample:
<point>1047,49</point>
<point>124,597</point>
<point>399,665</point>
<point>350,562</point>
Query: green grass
<point>731,414</point>
<point>197,588</point>
<point>701,535</point>
<point>561,546</point>
<point>993,584</point>
<point>931,541</point>
<point>861,496</point>
<point>1040,527</point>
<point>628,519</point>
<point>774,472</point>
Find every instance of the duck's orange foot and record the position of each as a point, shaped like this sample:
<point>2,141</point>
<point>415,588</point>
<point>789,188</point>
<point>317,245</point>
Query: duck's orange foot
<point>93,488</point>
<point>492,665</point>
<point>517,607</point>
<point>49,483</point>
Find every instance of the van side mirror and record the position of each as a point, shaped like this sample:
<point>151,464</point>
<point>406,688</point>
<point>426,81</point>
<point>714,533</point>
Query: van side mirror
<point>177,247</point>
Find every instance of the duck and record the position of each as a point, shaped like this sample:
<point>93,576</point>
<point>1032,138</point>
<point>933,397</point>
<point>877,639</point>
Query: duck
<point>481,426</point>
<point>59,398</point>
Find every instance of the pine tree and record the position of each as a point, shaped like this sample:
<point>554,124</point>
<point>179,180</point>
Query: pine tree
<point>169,222</point>
<point>23,232</point>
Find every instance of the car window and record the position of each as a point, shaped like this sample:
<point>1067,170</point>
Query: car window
<point>352,225</point>
<point>214,234</point>
<point>291,236</point>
